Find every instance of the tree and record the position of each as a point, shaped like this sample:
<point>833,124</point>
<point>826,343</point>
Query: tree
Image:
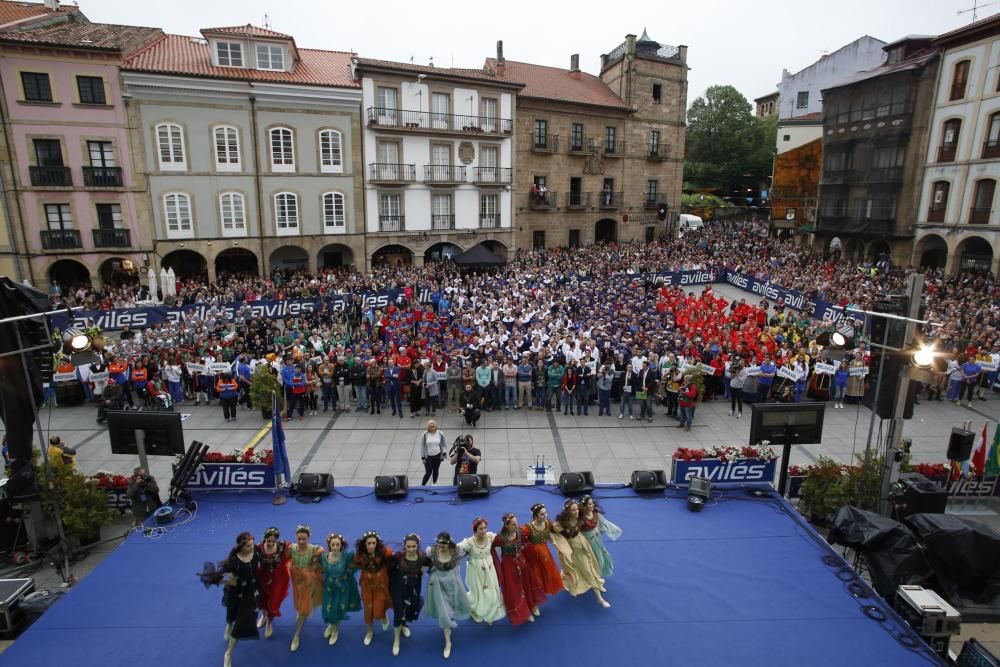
<point>726,145</point>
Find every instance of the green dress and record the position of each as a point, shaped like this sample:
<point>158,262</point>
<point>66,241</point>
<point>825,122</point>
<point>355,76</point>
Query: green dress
<point>340,588</point>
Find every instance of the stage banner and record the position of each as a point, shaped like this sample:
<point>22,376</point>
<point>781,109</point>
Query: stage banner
<point>232,476</point>
<point>740,470</point>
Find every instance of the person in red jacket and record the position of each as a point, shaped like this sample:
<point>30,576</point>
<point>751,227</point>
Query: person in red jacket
<point>687,399</point>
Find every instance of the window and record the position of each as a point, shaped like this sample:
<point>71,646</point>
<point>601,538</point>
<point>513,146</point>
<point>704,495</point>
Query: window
<point>227,149</point>
<point>982,202</point>
<point>109,216</point>
<point>802,99</point>
<point>270,57</point>
<point>939,201</point>
<point>334,216</point>
<point>576,137</point>
<point>286,213</point>
<point>574,238</point>
<point>884,102</point>
<point>330,156</point>
<point>229,54</point>
<point>36,87</point>
<point>489,211</point>
<point>177,214</point>
<point>489,157</point>
<point>58,216</point>
<point>102,154</point>
<point>610,139</point>
<point>440,167</point>
<point>387,105</point>
<point>48,152</point>
<point>538,240</point>
<point>657,92</point>
<point>652,185</point>
<point>654,143</point>
<point>541,134</point>
<point>441,217</point>
<point>540,181</point>
<point>993,134</point>
<point>949,140</point>
<point>170,141</point>
<point>575,191</point>
<point>856,109</point>
<point>959,79</point>
<point>900,99</point>
<point>440,105</point>
<point>650,234</point>
<point>91,89</point>
<point>282,150</point>
<point>232,213</point>
<point>390,213</point>
<point>786,137</point>
<point>488,114</point>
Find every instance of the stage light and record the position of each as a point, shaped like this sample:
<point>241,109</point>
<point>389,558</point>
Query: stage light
<point>391,486</point>
<point>473,486</point>
<point>75,341</point>
<point>700,486</point>
<point>923,357</point>
<point>576,483</point>
<point>649,481</point>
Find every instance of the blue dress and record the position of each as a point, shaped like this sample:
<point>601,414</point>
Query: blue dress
<point>592,531</point>
<point>447,599</point>
<point>340,588</point>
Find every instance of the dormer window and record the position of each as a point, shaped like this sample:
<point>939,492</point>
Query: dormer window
<point>270,57</point>
<point>229,54</point>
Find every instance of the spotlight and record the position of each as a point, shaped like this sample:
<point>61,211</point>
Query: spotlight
<point>923,357</point>
<point>649,481</point>
<point>391,486</point>
<point>700,487</point>
<point>575,483</point>
<point>75,341</point>
<point>473,486</point>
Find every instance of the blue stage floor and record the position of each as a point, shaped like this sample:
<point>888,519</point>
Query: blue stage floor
<point>743,583</point>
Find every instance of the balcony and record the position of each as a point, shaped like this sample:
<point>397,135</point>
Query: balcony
<point>610,200</point>
<point>543,143</point>
<point>61,239</point>
<point>391,223</point>
<point>935,214</point>
<point>656,153</point>
<point>391,173</point>
<point>443,222</point>
<point>946,152</point>
<point>102,177</point>
<point>542,202</point>
<point>836,176</point>
<point>885,175</point>
<point>614,148</point>
<point>50,176</point>
<point>489,221</point>
<point>112,238</point>
<point>580,146</point>
<point>408,120</point>
<point>979,215</point>
<point>653,200</point>
<point>442,174</point>
<point>578,200</point>
<point>491,175</point>
<point>991,149</point>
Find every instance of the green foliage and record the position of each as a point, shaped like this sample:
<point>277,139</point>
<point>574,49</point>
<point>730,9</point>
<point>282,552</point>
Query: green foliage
<point>829,485</point>
<point>699,200</point>
<point>82,504</point>
<point>262,385</point>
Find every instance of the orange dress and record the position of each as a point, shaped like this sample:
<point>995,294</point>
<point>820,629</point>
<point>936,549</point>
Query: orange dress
<point>307,579</point>
<point>542,563</point>
<point>374,584</point>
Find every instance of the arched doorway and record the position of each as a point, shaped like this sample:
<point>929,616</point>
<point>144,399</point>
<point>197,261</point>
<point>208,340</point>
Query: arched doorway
<point>440,252</point>
<point>851,249</point>
<point>236,261</point>
<point>878,249</point>
<point>288,258</point>
<point>932,252</point>
<point>392,255</point>
<point>497,248</point>
<point>606,231</point>
<point>118,271</point>
<point>974,254</point>
<point>186,264</point>
<point>69,273</point>
<point>334,256</point>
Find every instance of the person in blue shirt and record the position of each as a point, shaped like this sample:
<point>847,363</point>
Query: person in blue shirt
<point>970,378</point>
<point>839,385</point>
<point>243,376</point>
<point>765,378</point>
<point>390,378</point>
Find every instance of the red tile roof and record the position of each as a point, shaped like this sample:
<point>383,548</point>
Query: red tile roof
<point>11,12</point>
<point>554,83</point>
<point>466,73</point>
<point>247,30</point>
<point>188,56</point>
<point>104,36</point>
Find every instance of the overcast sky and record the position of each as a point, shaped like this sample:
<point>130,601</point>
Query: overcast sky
<point>729,41</point>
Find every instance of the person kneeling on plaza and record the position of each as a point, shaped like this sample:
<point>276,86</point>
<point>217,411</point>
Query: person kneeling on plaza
<point>471,401</point>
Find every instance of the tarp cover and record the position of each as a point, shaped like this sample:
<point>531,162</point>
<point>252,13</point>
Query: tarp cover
<point>478,255</point>
<point>965,555</point>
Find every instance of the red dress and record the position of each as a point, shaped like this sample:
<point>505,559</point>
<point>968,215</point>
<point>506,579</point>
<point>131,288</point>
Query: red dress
<point>374,584</point>
<point>545,568</point>
<point>521,590</point>
<point>273,578</point>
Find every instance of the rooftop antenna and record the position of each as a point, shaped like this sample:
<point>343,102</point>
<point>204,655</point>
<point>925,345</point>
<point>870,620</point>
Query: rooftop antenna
<point>431,63</point>
<point>976,6</point>
<point>411,59</point>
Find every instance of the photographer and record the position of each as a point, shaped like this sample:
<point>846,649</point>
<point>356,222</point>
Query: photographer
<point>144,494</point>
<point>431,450</point>
<point>470,401</point>
<point>465,457</point>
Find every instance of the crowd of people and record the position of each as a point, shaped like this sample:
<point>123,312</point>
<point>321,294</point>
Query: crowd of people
<point>559,329</point>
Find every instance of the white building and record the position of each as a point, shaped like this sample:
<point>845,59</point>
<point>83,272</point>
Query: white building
<point>799,93</point>
<point>958,227</point>
<point>439,161</point>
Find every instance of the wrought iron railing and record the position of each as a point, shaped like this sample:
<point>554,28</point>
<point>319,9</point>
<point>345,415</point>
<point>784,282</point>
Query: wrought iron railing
<point>408,119</point>
<point>50,176</point>
<point>492,175</point>
<point>444,173</point>
<point>391,223</point>
<point>112,238</point>
<point>390,172</point>
<point>102,177</point>
<point>443,221</point>
<point>61,239</point>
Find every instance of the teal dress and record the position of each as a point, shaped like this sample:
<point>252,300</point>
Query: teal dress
<point>592,531</point>
<point>340,588</point>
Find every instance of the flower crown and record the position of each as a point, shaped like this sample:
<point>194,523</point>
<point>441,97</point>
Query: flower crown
<point>335,535</point>
<point>303,528</point>
<point>410,537</point>
<point>444,539</point>
<point>536,508</point>
<point>372,533</point>
<point>273,530</point>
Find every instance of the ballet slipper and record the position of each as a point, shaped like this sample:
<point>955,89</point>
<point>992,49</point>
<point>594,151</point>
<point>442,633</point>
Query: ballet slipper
<point>261,619</point>
<point>268,630</point>
<point>447,643</point>
<point>369,635</point>
<point>227,660</point>
<point>536,611</point>
<point>228,633</point>
<point>295,642</point>
<point>334,634</point>
<point>329,629</point>
<point>385,624</point>
<point>406,631</point>
<point>395,641</point>
<point>600,598</point>
<point>531,619</point>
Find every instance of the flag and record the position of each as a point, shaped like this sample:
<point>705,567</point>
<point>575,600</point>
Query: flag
<point>282,471</point>
<point>979,456</point>
<point>993,458</point>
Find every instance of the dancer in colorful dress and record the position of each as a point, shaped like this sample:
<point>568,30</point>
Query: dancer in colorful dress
<point>447,599</point>
<point>485,599</point>
<point>536,536</point>
<point>593,523</point>
<point>238,573</point>
<point>274,578</point>
<point>371,557</point>
<point>522,593</point>
<point>580,570</point>
<point>307,579</point>
<point>406,579</point>
<point>340,588</point>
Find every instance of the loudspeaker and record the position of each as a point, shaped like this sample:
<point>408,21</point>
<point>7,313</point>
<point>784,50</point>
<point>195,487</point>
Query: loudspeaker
<point>649,481</point>
<point>893,364</point>
<point>314,484</point>
<point>960,444</point>
<point>888,329</point>
<point>473,486</point>
<point>575,483</point>
<point>391,486</point>
<point>921,495</point>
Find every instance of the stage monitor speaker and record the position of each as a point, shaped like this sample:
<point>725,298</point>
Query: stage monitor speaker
<point>391,486</point>
<point>920,495</point>
<point>576,483</point>
<point>314,484</point>
<point>960,444</point>
<point>473,486</point>
<point>700,487</point>
<point>649,481</point>
<point>888,330</point>
<point>893,365</point>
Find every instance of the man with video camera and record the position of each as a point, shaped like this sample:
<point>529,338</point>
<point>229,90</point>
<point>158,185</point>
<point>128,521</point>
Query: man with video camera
<point>464,456</point>
<point>144,494</point>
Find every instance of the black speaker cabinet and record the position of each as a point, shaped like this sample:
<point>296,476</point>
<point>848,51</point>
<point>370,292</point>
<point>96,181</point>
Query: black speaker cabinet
<point>391,486</point>
<point>960,444</point>
<point>575,483</point>
<point>921,495</point>
<point>473,486</point>
<point>315,484</point>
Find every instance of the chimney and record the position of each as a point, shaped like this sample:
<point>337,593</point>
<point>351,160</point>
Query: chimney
<point>682,53</point>
<point>501,63</point>
<point>52,5</point>
<point>629,45</point>
<point>574,66</point>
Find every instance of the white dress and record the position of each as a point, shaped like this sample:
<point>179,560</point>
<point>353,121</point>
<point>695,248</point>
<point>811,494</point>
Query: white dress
<point>485,599</point>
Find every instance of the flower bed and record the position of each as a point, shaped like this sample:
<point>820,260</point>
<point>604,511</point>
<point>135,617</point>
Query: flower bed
<point>115,486</point>
<point>263,457</point>
<point>726,453</point>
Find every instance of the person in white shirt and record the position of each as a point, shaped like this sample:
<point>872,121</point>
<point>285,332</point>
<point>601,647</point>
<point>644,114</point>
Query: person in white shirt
<point>638,359</point>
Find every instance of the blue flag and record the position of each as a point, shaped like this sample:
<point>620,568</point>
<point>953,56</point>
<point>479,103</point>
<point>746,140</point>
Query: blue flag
<point>282,471</point>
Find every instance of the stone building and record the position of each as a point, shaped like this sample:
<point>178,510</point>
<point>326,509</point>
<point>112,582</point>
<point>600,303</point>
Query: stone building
<point>597,156</point>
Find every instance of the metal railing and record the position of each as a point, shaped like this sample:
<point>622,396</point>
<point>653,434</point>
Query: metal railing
<point>391,223</point>
<point>614,148</point>
<point>492,175</point>
<point>443,173</point>
<point>991,149</point>
<point>112,238</point>
<point>50,176</point>
<point>542,202</point>
<point>979,215</point>
<point>543,143</point>
<point>578,199</point>
<point>408,119</point>
<point>935,214</point>
<point>392,173</point>
<point>946,152</point>
<point>656,153</point>
<point>610,199</point>
<point>61,239</point>
<point>579,145</point>
<point>489,221</point>
<point>102,177</point>
<point>653,200</point>
<point>885,175</point>
<point>443,221</point>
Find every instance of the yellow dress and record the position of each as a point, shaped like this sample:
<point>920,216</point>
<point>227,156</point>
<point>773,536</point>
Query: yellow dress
<point>580,570</point>
<point>307,579</point>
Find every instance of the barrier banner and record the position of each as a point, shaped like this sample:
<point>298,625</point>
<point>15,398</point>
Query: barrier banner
<point>740,470</point>
<point>702,277</point>
<point>792,299</point>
